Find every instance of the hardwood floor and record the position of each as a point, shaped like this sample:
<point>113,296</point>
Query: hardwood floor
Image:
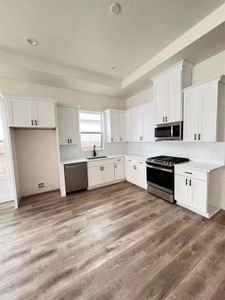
<point>116,242</point>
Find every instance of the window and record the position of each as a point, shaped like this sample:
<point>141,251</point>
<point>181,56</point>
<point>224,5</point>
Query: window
<point>91,130</point>
<point>2,144</point>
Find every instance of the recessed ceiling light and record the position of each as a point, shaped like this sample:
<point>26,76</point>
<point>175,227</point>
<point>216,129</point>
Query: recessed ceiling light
<point>32,42</point>
<point>115,8</point>
<point>114,68</point>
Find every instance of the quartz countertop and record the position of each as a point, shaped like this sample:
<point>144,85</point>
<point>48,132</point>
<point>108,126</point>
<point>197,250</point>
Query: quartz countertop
<point>200,165</point>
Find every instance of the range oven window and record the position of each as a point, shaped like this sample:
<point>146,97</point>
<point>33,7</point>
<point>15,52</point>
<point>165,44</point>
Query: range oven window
<point>162,132</point>
<point>162,179</point>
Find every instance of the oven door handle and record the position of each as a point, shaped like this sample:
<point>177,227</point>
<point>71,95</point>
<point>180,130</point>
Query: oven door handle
<point>159,168</point>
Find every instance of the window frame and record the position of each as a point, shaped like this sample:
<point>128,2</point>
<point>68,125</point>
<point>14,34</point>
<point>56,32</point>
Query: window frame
<point>88,132</point>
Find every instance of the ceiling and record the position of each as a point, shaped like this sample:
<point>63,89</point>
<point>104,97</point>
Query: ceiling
<point>83,34</point>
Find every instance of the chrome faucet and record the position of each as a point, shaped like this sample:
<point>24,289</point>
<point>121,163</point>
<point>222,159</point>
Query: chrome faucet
<point>94,151</point>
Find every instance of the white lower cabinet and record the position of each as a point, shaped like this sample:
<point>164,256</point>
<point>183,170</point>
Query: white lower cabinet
<point>199,190</point>
<point>119,168</point>
<point>136,172</point>
<point>101,172</point>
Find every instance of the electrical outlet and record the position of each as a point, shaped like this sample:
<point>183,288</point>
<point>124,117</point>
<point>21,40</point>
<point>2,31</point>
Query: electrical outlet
<point>41,185</point>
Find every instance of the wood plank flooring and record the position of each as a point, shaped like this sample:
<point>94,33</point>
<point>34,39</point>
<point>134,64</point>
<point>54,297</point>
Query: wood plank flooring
<point>116,242</point>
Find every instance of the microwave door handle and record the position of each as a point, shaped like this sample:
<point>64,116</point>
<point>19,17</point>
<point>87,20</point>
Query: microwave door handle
<point>172,131</point>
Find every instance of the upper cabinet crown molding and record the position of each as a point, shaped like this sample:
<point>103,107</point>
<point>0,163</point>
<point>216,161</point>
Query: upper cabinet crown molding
<point>167,92</point>
<point>24,112</point>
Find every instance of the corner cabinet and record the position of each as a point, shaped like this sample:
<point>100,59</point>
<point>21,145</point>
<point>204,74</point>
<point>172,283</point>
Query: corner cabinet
<point>140,123</point>
<point>167,92</point>
<point>68,125</point>
<point>115,122</point>
<point>23,113</point>
<point>199,189</point>
<point>204,111</point>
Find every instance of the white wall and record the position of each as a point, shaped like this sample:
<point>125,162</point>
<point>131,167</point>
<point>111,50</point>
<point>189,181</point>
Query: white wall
<point>37,160</point>
<point>140,98</point>
<point>63,96</point>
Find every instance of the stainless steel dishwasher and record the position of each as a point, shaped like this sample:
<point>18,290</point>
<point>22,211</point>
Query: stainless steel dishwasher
<point>76,178</point>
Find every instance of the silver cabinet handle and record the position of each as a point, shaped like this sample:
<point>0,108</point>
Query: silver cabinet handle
<point>111,139</point>
<point>190,182</point>
<point>163,119</point>
<point>186,181</point>
<point>166,118</point>
<point>188,173</point>
<point>199,136</point>
<point>195,136</point>
<point>115,166</point>
<point>36,122</point>
<point>121,139</point>
<point>32,122</point>
<point>68,141</point>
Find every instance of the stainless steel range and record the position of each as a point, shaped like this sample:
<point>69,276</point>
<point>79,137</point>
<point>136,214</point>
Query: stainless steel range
<point>160,175</point>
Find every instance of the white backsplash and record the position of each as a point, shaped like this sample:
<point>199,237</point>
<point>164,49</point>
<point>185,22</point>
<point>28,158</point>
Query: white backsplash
<point>211,152</point>
<point>70,152</point>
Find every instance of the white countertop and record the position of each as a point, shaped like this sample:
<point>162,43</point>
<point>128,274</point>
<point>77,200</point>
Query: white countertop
<point>83,159</point>
<point>201,166</point>
<point>78,160</point>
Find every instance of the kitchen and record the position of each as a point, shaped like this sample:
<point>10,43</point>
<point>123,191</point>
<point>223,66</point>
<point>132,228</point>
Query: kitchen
<point>93,162</point>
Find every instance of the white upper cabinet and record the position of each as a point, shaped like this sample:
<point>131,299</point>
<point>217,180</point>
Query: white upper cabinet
<point>140,121</point>
<point>44,114</point>
<point>20,113</point>
<point>115,121</point>
<point>204,109</point>
<point>167,93</point>
<point>68,125</point>
<point>31,114</point>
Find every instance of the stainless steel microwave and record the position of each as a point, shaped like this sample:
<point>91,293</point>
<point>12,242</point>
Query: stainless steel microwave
<point>170,131</point>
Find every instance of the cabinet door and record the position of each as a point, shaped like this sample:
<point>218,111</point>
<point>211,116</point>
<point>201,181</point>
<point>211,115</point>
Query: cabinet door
<point>115,126</point>
<point>20,113</point>
<point>136,123</point>
<point>122,123</point>
<point>199,194</point>
<point>191,114</point>
<point>208,113</point>
<point>181,190</point>
<point>174,106</point>
<point>108,173</point>
<point>74,131</point>
<point>94,176</point>
<point>128,126</point>
<point>148,122</point>
<point>141,175</point>
<point>160,99</point>
<point>129,170</point>
<point>44,114</point>
<point>119,170</point>
<point>63,125</point>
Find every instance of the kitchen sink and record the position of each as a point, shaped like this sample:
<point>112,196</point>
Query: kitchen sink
<point>97,157</point>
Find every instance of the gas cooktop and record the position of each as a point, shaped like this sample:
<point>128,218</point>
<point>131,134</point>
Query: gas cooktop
<point>164,160</point>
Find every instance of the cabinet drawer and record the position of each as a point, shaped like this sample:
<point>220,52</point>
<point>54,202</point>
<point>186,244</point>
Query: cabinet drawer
<point>119,160</point>
<point>101,162</point>
<point>191,173</point>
